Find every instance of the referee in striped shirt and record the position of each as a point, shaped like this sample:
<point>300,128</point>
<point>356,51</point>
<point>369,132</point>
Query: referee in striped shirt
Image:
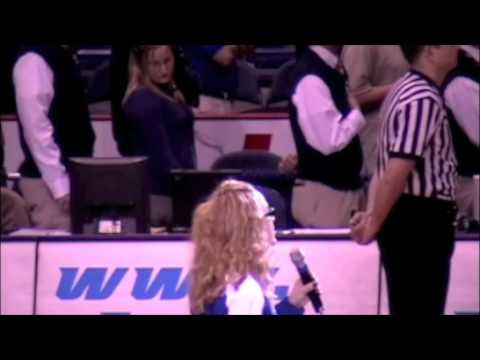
<point>411,198</point>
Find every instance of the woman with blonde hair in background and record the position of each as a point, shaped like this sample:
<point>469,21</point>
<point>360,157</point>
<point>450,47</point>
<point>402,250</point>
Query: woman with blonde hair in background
<point>159,121</point>
<point>233,236</point>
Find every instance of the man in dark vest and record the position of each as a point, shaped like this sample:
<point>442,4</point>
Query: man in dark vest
<point>55,125</point>
<point>462,97</point>
<point>325,122</point>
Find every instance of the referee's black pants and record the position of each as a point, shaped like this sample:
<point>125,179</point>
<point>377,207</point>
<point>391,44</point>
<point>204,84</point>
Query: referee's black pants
<point>416,243</point>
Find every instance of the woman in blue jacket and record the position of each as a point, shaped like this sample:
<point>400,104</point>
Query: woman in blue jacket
<point>233,236</point>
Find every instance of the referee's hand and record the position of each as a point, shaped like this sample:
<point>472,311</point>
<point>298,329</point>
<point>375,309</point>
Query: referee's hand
<point>357,225</point>
<point>363,227</point>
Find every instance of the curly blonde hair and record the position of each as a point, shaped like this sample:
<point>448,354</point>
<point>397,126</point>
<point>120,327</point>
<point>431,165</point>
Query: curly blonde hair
<point>230,242</point>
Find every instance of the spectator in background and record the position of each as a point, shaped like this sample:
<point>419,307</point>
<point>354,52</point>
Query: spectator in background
<point>160,122</point>
<point>371,71</point>
<point>462,97</point>
<point>185,79</point>
<point>325,122</point>
<point>13,210</point>
<point>217,68</point>
<point>54,126</point>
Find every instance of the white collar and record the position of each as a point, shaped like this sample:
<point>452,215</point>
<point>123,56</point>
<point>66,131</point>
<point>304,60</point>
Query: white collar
<point>326,55</point>
<point>473,51</point>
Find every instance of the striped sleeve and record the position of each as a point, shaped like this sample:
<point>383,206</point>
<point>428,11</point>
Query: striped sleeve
<point>415,125</point>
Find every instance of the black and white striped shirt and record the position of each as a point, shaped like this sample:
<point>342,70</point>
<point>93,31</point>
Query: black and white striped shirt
<point>415,126</point>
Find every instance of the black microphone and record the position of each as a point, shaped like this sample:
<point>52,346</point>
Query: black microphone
<point>298,260</point>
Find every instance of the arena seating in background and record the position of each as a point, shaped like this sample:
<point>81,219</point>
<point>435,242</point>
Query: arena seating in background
<point>257,77</point>
<point>98,85</point>
<point>248,160</point>
<point>280,90</point>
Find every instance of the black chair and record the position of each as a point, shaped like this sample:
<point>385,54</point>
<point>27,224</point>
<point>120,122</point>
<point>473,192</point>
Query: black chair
<point>280,92</point>
<point>276,200</point>
<point>248,160</point>
<point>273,57</point>
<point>261,169</point>
<point>248,89</point>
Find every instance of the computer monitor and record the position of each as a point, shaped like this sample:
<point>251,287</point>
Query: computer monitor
<point>190,188</point>
<point>109,195</point>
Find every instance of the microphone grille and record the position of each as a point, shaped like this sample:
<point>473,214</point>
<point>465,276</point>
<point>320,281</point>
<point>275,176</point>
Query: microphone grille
<point>297,257</point>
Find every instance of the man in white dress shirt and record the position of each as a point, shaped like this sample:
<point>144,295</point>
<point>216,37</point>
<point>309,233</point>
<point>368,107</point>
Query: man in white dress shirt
<point>54,126</point>
<point>462,98</point>
<point>325,122</point>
